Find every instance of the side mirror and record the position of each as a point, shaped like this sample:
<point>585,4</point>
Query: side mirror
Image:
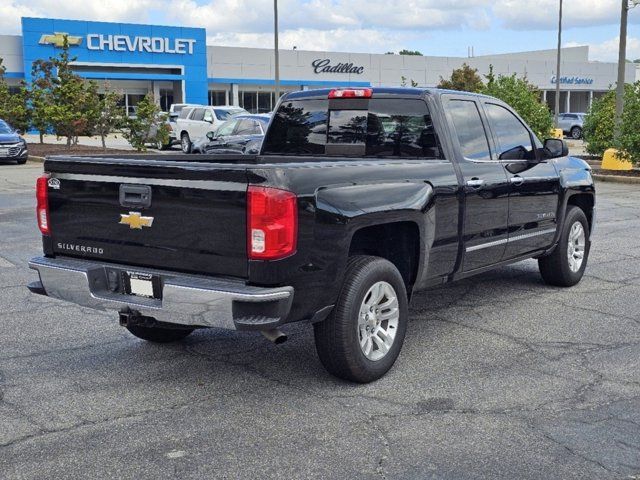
<point>254,150</point>
<point>555,148</point>
<point>19,132</point>
<point>211,135</point>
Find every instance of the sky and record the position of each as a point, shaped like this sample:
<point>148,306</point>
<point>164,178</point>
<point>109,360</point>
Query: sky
<point>434,27</point>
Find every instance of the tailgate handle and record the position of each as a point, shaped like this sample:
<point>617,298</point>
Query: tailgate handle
<point>135,196</point>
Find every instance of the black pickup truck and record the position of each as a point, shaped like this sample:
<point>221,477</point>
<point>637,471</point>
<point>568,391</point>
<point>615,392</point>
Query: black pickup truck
<point>358,199</point>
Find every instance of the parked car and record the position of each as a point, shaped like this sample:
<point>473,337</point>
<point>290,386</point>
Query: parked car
<point>571,124</point>
<point>12,146</point>
<point>358,199</point>
<point>174,112</point>
<point>195,122</point>
<point>241,134</point>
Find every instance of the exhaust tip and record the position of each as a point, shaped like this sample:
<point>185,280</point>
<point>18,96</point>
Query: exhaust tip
<point>275,336</point>
<point>281,339</point>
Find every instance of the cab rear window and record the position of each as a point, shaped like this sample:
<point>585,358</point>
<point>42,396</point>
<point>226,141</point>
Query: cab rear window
<point>383,128</point>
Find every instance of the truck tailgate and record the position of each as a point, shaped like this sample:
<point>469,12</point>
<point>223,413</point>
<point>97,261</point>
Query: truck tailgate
<point>170,215</point>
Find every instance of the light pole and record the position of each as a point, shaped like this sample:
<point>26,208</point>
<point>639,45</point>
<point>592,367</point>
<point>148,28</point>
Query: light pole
<point>275,46</point>
<point>622,61</point>
<point>557,106</point>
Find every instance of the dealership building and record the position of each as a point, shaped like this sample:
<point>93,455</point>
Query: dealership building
<point>177,65</point>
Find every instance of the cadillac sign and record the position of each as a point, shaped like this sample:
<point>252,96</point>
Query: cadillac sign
<point>323,65</point>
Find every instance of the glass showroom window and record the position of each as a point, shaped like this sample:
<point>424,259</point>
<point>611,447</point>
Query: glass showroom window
<point>166,99</point>
<point>249,101</point>
<point>218,97</point>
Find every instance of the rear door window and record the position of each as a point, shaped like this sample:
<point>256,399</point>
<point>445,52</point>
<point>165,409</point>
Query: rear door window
<point>198,114</point>
<point>470,131</point>
<point>383,127</point>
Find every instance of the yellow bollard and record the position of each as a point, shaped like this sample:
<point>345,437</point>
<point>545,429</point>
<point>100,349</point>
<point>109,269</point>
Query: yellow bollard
<point>557,133</point>
<point>610,161</point>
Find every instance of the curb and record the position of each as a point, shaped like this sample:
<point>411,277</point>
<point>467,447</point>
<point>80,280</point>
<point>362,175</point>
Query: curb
<point>616,179</point>
<point>34,159</point>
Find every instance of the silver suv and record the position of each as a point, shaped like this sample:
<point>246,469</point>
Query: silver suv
<point>571,124</point>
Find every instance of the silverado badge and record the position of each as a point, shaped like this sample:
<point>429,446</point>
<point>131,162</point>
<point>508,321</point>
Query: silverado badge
<point>135,220</point>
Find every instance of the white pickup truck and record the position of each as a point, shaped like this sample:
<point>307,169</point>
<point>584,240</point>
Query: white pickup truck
<point>195,121</point>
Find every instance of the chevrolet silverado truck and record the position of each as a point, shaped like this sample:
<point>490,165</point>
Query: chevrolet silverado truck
<point>357,199</point>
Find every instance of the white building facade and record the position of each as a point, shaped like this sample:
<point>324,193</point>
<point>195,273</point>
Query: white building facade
<point>177,66</point>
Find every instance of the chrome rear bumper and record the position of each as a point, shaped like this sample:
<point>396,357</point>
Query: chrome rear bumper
<point>185,299</point>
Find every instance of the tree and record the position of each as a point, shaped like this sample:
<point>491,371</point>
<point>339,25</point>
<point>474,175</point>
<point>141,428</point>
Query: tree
<point>403,82</point>
<point>40,95</point>
<point>410,52</point>
<point>147,126</point>
<point>110,113</point>
<point>14,107</point>
<point>524,98</point>
<point>597,130</point>
<point>464,79</point>
<point>73,101</point>
<point>628,141</point>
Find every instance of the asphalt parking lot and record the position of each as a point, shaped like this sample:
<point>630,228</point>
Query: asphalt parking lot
<point>500,377</point>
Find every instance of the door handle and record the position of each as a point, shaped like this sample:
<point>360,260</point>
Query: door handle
<point>475,182</point>
<point>517,180</point>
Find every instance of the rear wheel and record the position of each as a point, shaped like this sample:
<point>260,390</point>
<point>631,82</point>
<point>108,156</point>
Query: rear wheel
<point>576,133</point>
<point>159,335</point>
<point>362,338</point>
<point>185,143</point>
<point>565,266</point>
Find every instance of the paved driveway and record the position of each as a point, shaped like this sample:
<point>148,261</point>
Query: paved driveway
<point>500,377</point>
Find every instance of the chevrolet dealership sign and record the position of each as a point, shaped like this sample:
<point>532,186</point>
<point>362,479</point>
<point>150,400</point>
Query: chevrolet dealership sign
<point>123,43</point>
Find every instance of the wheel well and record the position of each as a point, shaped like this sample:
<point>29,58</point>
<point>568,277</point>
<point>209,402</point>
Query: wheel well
<point>584,201</point>
<point>398,242</point>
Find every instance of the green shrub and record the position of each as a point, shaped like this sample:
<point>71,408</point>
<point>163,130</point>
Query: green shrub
<point>597,130</point>
<point>524,98</point>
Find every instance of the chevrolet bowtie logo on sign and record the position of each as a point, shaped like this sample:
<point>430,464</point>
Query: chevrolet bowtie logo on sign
<point>135,220</point>
<point>57,39</point>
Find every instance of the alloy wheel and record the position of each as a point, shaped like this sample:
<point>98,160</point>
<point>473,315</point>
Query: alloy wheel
<point>378,321</point>
<point>576,246</point>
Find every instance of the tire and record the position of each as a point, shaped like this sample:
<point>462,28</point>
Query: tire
<point>557,268</point>
<point>185,143</point>
<point>22,161</point>
<point>576,133</point>
<point>159,335</point>
<point>338,338</point>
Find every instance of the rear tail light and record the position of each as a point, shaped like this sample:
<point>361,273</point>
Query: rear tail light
<point>351,93</point>
<point>272,223</point>
<point>42,206</point>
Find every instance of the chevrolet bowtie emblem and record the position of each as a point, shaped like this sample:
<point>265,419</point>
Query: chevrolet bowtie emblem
<point>57,39</point>
<point>135,220</point>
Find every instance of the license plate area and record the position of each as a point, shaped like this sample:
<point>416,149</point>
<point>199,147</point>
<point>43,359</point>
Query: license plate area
<point>141,284</point>
<point>4,152</point>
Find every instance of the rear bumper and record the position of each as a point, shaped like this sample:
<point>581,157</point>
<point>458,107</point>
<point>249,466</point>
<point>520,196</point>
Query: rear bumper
<point>186,299</point>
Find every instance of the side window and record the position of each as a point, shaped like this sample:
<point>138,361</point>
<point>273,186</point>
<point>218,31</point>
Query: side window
<point>247,127</point>
<point>514,140</point>
<point>469,129</point>
<point>208,116</point>
<point>226,128</point>
<point>198,114</point>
